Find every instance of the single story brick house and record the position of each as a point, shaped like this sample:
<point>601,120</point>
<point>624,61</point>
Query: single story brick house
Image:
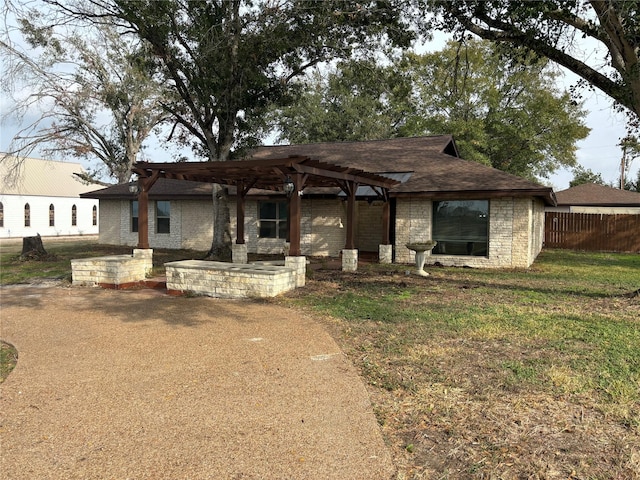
<point>480,216</point>
<point>594,198</point>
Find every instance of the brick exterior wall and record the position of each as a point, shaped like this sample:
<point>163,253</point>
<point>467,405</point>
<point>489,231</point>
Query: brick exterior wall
<point>196,229</point>
<point>369,229</point>
<point>516,229</point>
<point>110,217</point>
<point>516,232</point>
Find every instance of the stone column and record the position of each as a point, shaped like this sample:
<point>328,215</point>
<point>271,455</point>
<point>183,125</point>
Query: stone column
<point>239,253</point>
<point>299,265</point>
<point>350,260</point>
<point>385,253</point>
<point>147,255</point>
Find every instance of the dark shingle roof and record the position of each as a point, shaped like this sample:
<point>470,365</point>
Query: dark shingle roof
<point>591,194</point>
<point>436,170</point>
<point>434,161</point>
<point>164,188</point>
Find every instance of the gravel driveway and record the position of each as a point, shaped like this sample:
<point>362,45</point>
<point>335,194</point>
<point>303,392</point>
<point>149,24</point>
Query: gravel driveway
<point>140,385</point>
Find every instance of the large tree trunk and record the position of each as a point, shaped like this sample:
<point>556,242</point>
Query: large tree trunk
<point>221,244</point>
<point>32,248</point>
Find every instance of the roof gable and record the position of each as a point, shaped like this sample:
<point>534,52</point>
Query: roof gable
<point>33,176</point>
<point>591,194</point>
<point>434,161</point>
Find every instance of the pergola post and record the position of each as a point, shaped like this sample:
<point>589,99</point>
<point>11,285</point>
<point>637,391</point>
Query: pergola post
<point>350,254</point>
<point>144,185</point>
<point>295,217</point>
<point>239,253</point>
<point>385,249</point>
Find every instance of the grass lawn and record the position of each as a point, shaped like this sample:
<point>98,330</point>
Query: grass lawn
<point>476,374</point>
<point>497,373</point>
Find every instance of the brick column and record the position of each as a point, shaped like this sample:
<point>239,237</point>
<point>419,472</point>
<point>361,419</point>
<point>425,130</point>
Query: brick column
<point>147,255</point>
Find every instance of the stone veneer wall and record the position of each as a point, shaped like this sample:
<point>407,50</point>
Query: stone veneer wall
<point>516,229</point>
<point>320,231</point>
<point>113,271</point>
<point>229,280</point>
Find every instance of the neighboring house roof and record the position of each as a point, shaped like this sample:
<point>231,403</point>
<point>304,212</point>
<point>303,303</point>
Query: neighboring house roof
<point>46,178</point>
<point>591,194</point>
<point>425,165</point>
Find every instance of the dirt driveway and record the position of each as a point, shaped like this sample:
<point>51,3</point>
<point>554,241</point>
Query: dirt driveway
<point>139,385</point>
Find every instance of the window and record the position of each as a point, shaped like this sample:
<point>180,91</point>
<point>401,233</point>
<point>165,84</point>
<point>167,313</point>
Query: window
<point>27,215</point>
<point>461,227</point>
<point>134,215</point>
<point>52,215</point>
<point>1,215</point>
<point>163,216</point>
<point>94,221</point>
<point>74,216</point>
<point>273,220</point>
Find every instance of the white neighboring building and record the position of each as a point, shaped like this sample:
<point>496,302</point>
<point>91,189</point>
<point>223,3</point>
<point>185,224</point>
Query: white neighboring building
<point>43,197</point>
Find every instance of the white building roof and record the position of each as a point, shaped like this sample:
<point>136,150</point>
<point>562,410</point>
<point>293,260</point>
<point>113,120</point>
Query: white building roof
<point>33,176</point>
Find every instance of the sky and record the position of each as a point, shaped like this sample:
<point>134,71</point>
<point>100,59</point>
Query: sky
<point>599,152</point>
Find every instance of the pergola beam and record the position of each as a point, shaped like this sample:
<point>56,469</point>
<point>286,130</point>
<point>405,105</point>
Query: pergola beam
<point>267,175</point>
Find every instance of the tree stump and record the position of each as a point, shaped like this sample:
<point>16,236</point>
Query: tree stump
<point>32,248</point>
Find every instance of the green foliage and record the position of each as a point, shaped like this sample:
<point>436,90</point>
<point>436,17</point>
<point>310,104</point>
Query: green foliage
<point>502,113</point>
<point>551,29</point>
<point>507,114</point>
<point>583,175</point>
<point>228,61</point>
<point>356,100</point>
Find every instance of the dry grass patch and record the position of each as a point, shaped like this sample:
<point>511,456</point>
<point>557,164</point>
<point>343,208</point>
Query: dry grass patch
<point>503,374</point>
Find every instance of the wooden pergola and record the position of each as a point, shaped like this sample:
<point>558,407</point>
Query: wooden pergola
<point>271,174</point>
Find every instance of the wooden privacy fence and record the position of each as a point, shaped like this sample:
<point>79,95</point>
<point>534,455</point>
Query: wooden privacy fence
<point>592,231</point>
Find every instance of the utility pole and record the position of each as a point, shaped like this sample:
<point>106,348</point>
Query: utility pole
<point>623,166</point>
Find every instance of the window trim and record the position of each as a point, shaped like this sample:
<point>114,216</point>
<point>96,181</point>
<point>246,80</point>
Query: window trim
<point>52,215</point>
<point>74,216</point>
<point>94,216</point>
<point>1,215</point>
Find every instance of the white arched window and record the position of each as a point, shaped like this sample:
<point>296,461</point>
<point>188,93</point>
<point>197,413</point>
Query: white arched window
<point>27,215</point>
